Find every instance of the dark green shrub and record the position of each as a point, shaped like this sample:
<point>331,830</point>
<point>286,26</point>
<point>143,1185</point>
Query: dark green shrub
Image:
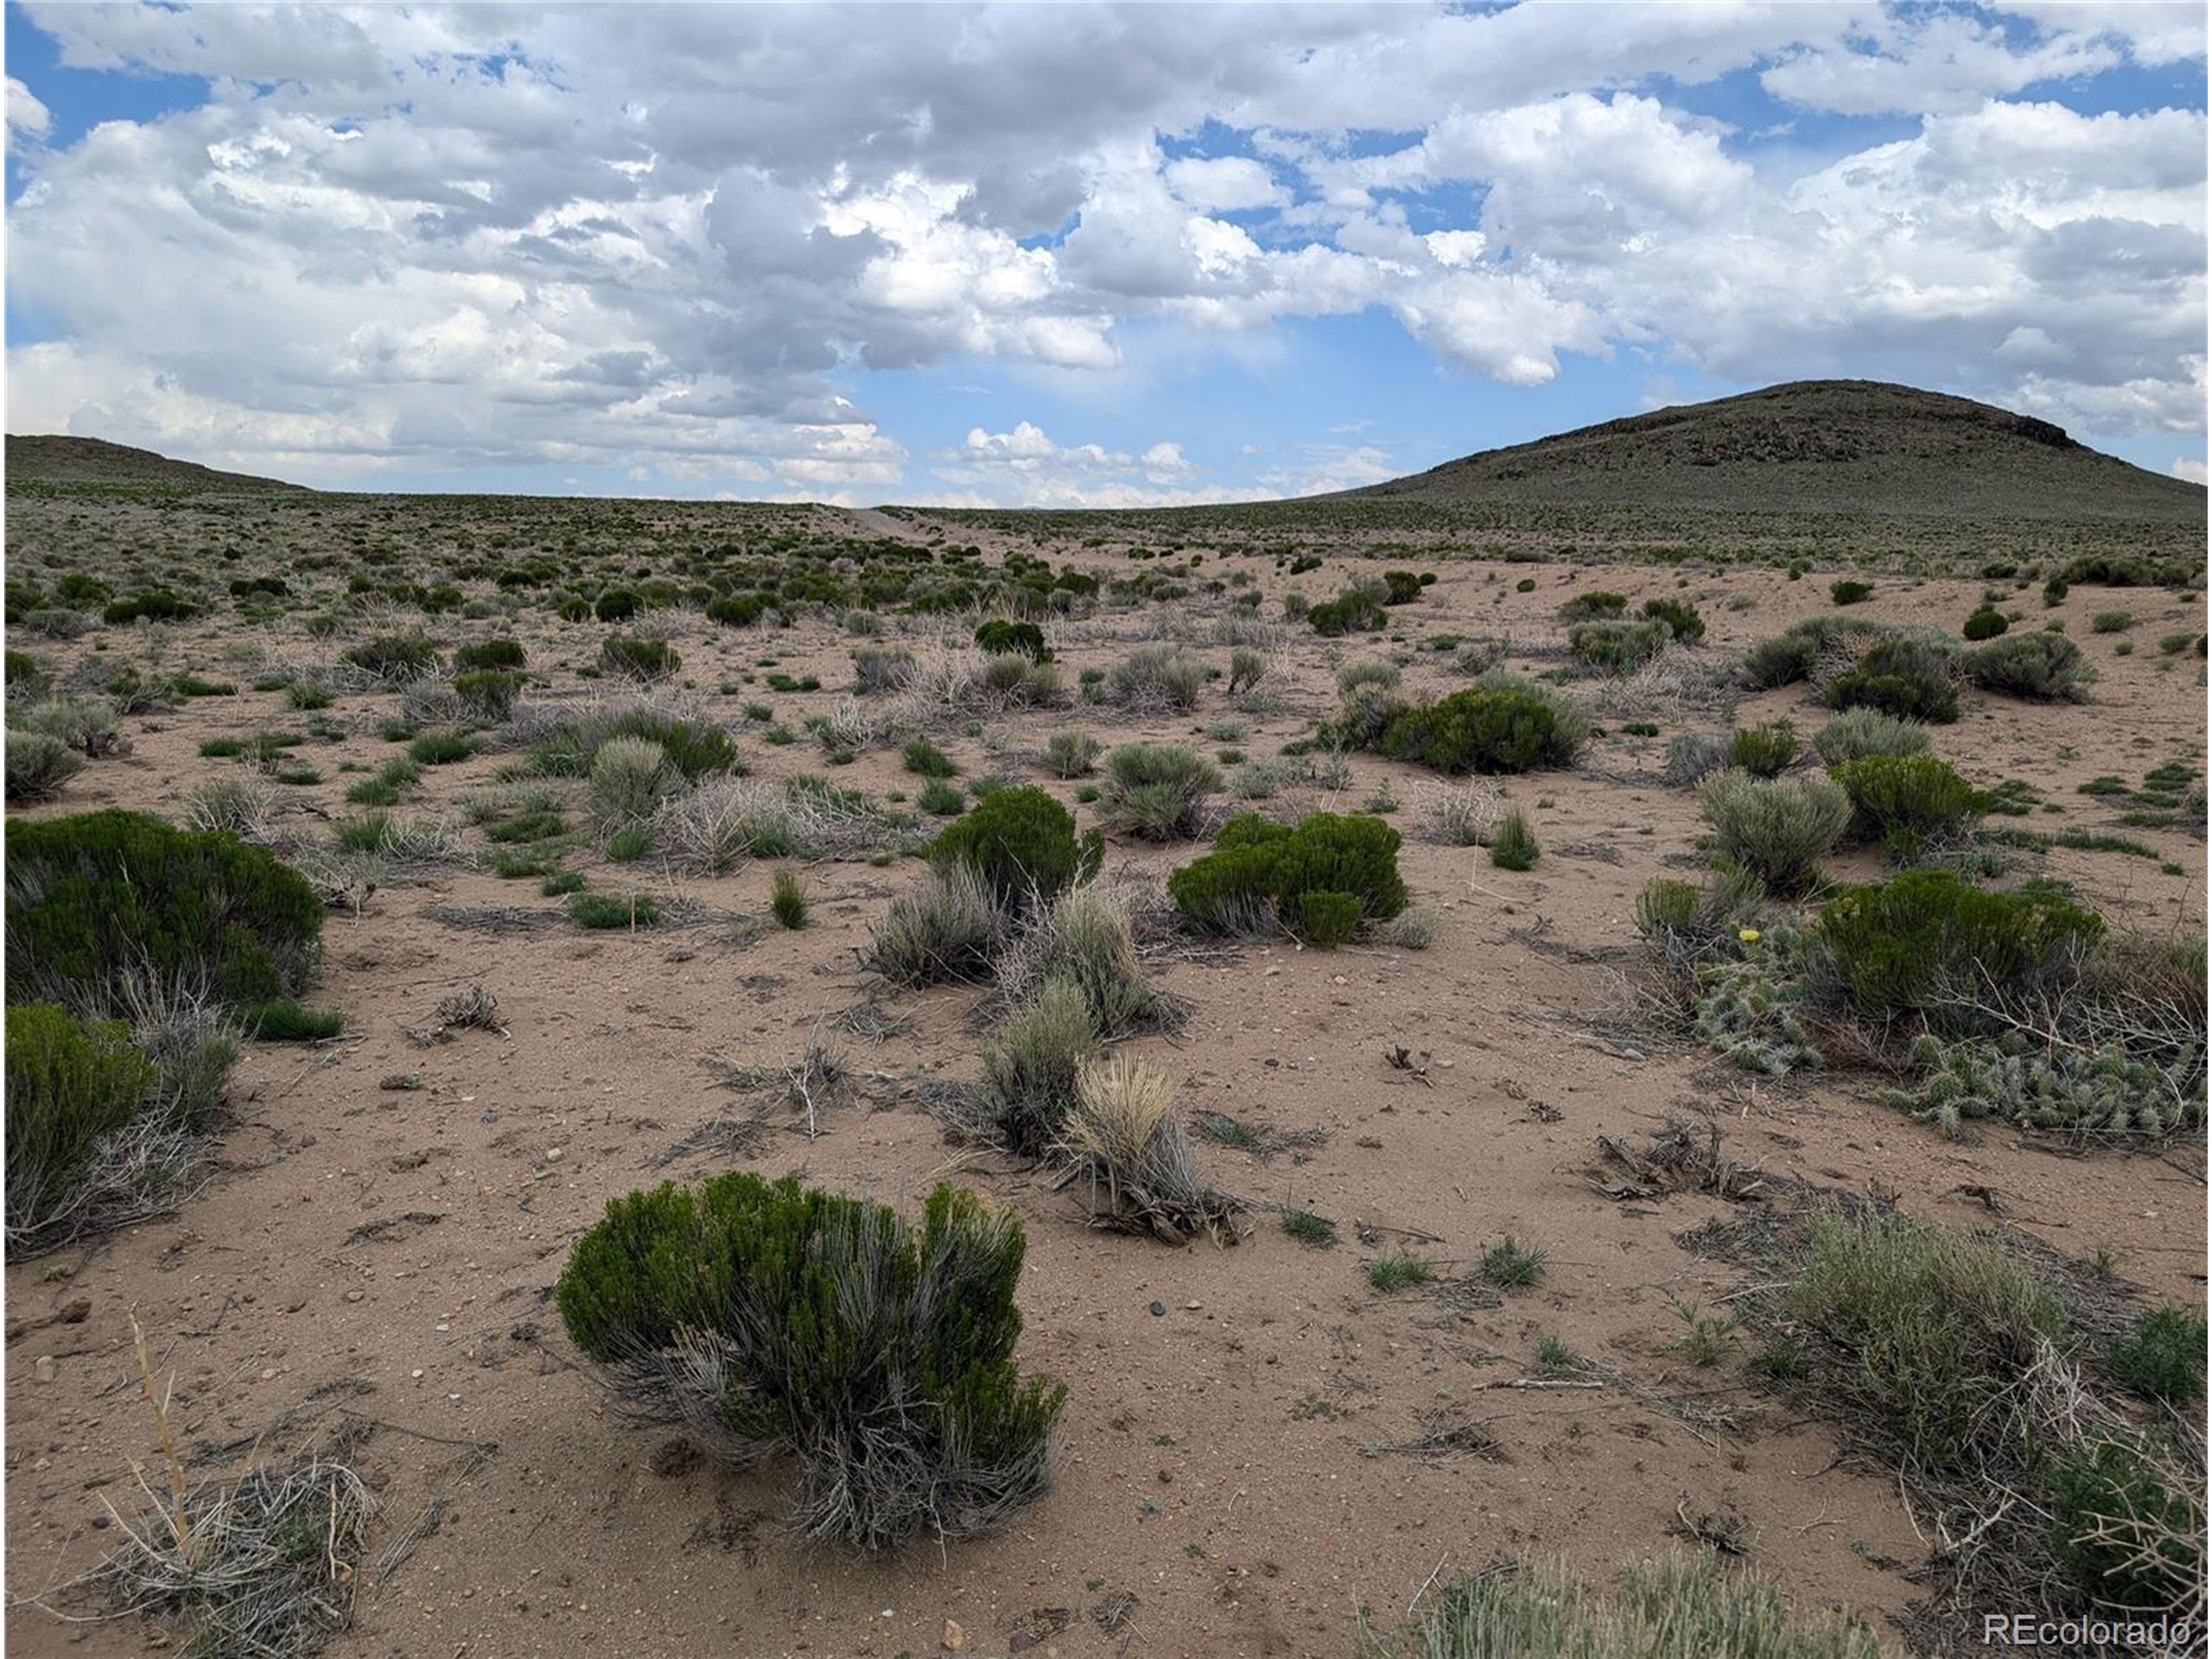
<point>1254,878</point>
<point>1401,587</point>
<point>1763,751</point>
<point>696,748</point>
<point>769,1319</point>
<point>1986,623</point>
<point>2110,571</point>
<point>38,766</point>
<point>1928,941</point>
<point>1594,607</point>
<point>95,899</point>
<point>1497,725</point>
<point>506,654</point>
<point>739,610</point>
<point>1850,592</point>
<point>1021,842</point>
<point>1030,1077</point>
<point>69,1082</point>
<point>1906,801</point>
<point>284,1021</point>
<point>999,638</point>
<point>396,658</point>
<point>29,678</point>
<point>1678,614</point>
<point>616,605</point>
<point>2161,1356</point>
<point>1513,844</point>
<point>636,657</point>
<point>1910,678</point>
<point>154,605</point>
<point>1353,610</point>
<point>941,799</point>
<point>2126,1523</point>
<point>2042,667</point>
<point>1327,919</point>
<point>1156,791</point>
<point>441,748</point>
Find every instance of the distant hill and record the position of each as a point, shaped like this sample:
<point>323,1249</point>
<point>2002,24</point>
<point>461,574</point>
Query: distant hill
<point>1813,446</point>
<point>51,461</point>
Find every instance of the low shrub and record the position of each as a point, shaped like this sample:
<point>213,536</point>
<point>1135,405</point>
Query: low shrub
<point>1986,623</point>
<point>1941,1326</point>
<point>87,725</point>
<point>1617,647</point>
<point>2041,667</point>
<point>1020,843</point>
<point>1850,592</point>
<point>1798,649</point>
<point>2161,1355</point>
<point>70,1082</point>
<point>616,605</point>
<point>1355,610</point>
<point>1254,878</point>
<point>1929,943</point>
<point>38,767</point>
<point>1911,678</point>
<point>739,610</point>
<point>396,658</point>
<point>1072,754</point>
<point>442,748</point>
<point>1000,638</point>
<point>924,759</point>
<point>2112,621</point>
<point>1679,616</point>
<point>1857,733</point>
<point>1513,845</point>
<point>2127,1523</point>
<point>1157,677</point>
<point>486,695</point>
<point>1694,755</point>
<point>1327,919</point>
<point>284,1021</point>
<point>638,657</point>
<point>1030,1078</point>
<point>948,928</point>
<point>1597,606</point>
<point>1907,801</point>
<point>99,902</point>
<point>1497,725</point>
<point>769,1319</point>
<point>507,655</point>
<point>1156,791</point>
<point>1763,751</point>
<point>1352,675</point>
<point>697,749</point>
<point>630,778</point>
<point>1778,829</point>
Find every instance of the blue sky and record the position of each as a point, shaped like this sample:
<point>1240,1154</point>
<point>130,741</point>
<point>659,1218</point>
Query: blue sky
<point>1075,256</point>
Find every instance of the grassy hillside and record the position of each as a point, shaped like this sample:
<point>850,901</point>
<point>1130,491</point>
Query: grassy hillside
<point>53,463</point>
<point>1855,446</point>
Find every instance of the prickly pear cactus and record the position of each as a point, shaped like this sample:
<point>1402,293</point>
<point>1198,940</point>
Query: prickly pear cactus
<point>1747,1008</point>
<point>2104,1092</point>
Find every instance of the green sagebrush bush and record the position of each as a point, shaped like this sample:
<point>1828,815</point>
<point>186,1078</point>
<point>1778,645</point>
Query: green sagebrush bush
<point>1930,943</point>
<point>69,1082</point>
<point>948,928</point>
<point>1986,623</point>
<point>1021,843</point>
<point>1355,610</point>
<point>98,899</point>
<point>616,605</point>
<point>1259,872</point>
<point>1857,733</point>
<point>1596,605</point>
<point>486,695</point>
<point>1905,802</point>
<point>1156,791</point>
<point>38,766</point>
<point>2040,667</point>
<point>765,1319</point>
<point>1156,676</point>
<point>1499,724</point>
<point>1778,829</point>
<point>1679,615</point>
<point>2127,1520</point>
<point>1793,654</point>
<point>1911,678</point>
<point>999,638</point>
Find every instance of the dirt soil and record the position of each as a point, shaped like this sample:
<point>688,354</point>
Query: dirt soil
<point>384,1257</point>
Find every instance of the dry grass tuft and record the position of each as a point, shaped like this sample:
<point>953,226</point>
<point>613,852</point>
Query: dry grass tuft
<point>1122,1133</point>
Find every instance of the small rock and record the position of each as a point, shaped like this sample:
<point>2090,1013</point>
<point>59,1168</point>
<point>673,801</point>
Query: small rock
<point>955,1637</point>
<point>48,1367</point>
<point>1159,1311</point>
<point>353,1295</point>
